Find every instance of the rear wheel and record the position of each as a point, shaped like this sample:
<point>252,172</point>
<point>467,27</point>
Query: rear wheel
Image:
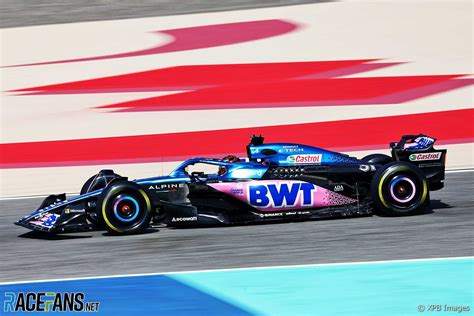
<point>124,208</point>
<point>399,188</point>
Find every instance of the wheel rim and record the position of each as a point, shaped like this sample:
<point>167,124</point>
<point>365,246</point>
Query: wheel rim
<point>402,189</point>
<point>126,208</point>
<point>388,186</point>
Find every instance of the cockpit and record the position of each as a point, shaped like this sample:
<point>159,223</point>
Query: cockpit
<point>230,167</point>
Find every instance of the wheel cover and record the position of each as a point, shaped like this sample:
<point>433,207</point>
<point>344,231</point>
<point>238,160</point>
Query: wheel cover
<point>402,189</point>
<point>126,208</point>
<point>393,171</point>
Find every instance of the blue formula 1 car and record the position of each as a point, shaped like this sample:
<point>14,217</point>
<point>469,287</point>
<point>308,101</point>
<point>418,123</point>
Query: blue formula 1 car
<point>277,181</point>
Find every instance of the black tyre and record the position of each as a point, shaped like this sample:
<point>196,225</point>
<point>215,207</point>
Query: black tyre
<point>379,159</point>
<point>399,188</point>
<point>98,181</point>
<point>124,208</point>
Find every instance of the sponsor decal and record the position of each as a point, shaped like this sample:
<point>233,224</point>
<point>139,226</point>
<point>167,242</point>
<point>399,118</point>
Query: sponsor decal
<point>290,149</point>
<point>238,191</point>
<point>425,156</point>
<point>71,210</point>
<point>254,151</point>
<point>184,219</point>
<point>48,302</point>
<point>281,195</point>
<point>308,158</point>
<point>46,220</point>
<point>273,214</point>
<point>420,142</point>
<point>277,214</point>
<point>166,186</point>
<point>338,188</point>
<point>364,168</point>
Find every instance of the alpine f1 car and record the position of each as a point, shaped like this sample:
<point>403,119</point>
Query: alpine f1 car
<point>277,181</point>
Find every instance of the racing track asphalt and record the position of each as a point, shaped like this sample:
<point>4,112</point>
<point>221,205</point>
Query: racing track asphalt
<point>446,232</point>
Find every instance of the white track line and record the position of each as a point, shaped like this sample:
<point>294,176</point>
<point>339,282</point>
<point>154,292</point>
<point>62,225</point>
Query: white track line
<point>26,197</point>
<point>242,269</point>
<point>459,170</point>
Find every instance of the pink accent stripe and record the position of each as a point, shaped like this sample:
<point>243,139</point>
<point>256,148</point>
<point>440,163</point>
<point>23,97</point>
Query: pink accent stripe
<point>196,76</point>
<point>286,92</point>
<point>350,70</point>
<point>199,37</point>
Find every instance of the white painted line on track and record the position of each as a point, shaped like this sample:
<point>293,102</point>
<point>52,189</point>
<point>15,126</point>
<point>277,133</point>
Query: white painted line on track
<point>27,197</point>
<point>459,170</point>
<point>242,269</point>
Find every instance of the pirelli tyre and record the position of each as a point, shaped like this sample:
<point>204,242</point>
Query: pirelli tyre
<point>97,182</point>
<point>399,188</point>
<point>124,208</point>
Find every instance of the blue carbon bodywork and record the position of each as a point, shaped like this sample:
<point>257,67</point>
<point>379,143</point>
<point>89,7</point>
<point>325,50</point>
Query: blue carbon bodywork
<point>237,170</point>
<point>287,154</point>
<point>61,204</point>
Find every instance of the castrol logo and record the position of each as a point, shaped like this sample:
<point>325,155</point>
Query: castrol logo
<point>304,158</point>
<point>427,156</point>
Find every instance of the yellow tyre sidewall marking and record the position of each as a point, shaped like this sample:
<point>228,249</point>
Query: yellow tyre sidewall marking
<point>104,213</point>
<point>389,171</point>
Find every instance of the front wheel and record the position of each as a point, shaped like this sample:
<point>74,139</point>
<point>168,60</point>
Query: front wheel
<point>124,208</point>
<point>399,188</point>
<point>98,181</point>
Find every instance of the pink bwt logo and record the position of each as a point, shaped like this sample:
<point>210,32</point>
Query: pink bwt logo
<point>274,195</point>
<point>281,195</point>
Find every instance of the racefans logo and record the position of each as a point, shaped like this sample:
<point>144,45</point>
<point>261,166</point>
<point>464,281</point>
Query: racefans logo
<point>427,156</point>
<point>295,159</point>
<point>48,302</point>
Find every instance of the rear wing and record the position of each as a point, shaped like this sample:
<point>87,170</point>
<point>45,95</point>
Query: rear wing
<point>419,150</point>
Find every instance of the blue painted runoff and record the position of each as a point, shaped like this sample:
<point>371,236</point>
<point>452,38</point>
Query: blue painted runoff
<point>386,288</point>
